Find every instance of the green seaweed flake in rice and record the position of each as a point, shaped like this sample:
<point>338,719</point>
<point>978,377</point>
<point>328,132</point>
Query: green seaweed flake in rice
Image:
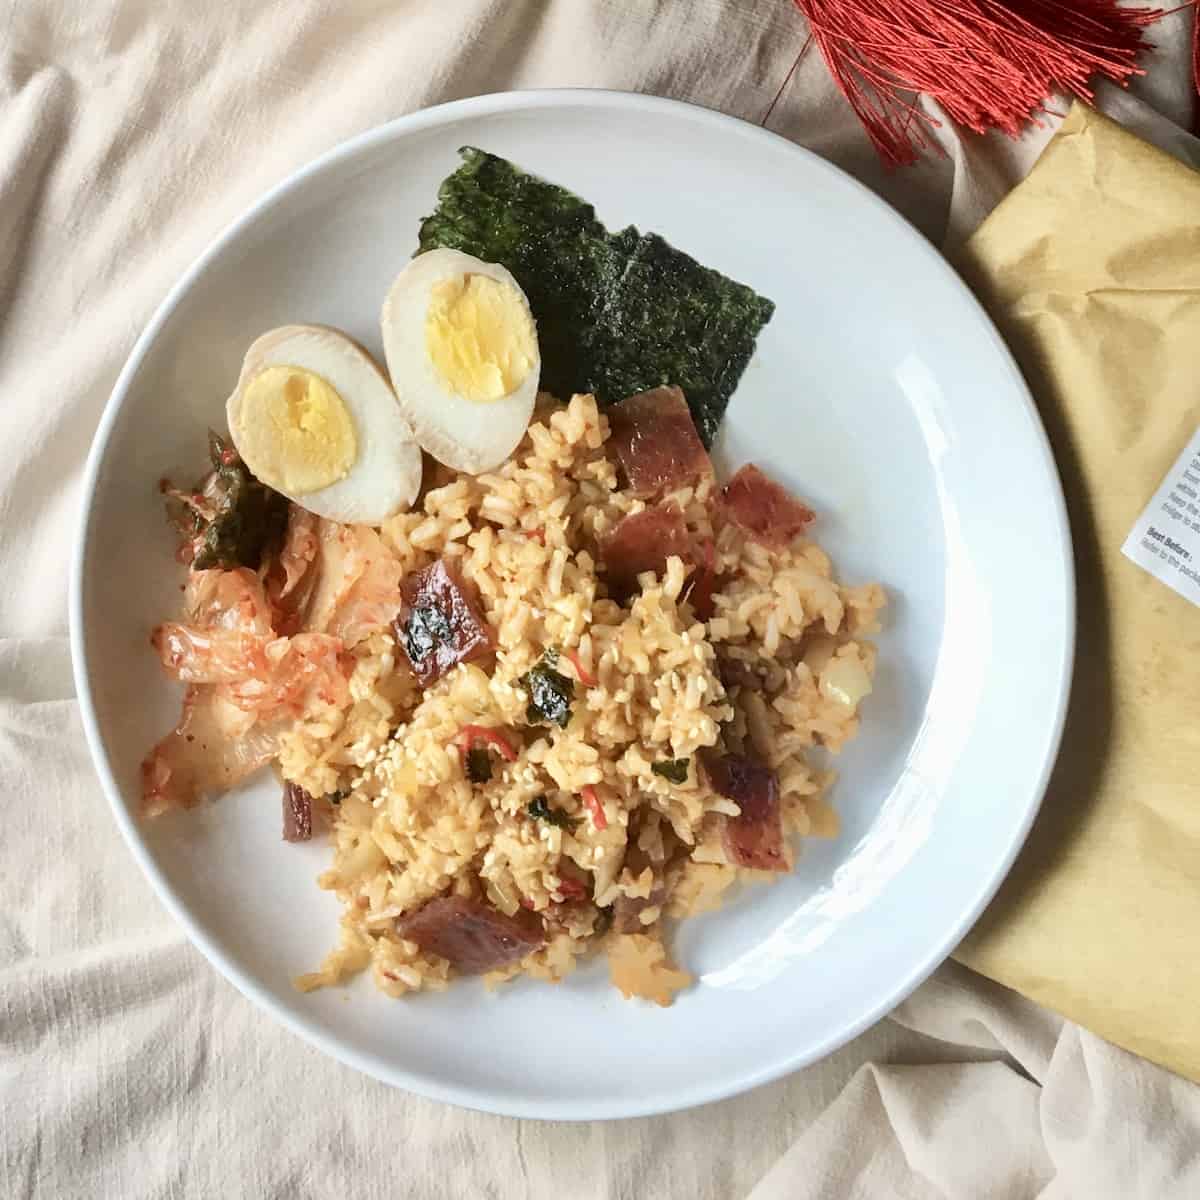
<point>539,809</point>
<point>617,313</point>
<point>550,693</point>
<point>673,770</point>
<point>479,765</point>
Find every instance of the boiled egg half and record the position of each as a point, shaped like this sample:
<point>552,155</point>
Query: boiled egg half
<point>314,417</point>
<point>462,351</point>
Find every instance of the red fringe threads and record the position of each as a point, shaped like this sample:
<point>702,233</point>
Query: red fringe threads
<point>990,64</point>
<point>1196,67</point>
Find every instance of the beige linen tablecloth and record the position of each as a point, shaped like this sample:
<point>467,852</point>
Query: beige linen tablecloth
<point>130,133</point>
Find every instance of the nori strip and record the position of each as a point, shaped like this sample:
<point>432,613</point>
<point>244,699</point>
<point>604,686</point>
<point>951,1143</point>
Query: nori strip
<point>670,320</point>
<point>617,313</point>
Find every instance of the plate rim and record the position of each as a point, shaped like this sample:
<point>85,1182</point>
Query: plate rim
<point>474,1098</point>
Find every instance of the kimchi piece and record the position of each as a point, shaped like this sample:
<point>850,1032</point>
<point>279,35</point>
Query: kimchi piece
<point>656,442</point>
<point>357,592</point>
<point>229,518</point>
<point>292,576</point>
<point>215,746</point>
<point>440,623</point>
<point>246,683</point>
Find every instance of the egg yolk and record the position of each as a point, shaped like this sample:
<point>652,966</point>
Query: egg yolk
<point>296,433</point>
<point>479,336</point>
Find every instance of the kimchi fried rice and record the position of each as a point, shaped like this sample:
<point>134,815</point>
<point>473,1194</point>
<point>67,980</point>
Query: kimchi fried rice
<point>526,738</point>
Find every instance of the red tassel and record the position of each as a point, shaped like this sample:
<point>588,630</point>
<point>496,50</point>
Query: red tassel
<point>1196,69</point>
<point>989,63</point>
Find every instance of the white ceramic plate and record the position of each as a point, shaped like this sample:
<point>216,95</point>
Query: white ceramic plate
<point>879,391</point>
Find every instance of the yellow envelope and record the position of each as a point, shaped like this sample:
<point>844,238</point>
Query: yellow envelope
<point>1091,268</point>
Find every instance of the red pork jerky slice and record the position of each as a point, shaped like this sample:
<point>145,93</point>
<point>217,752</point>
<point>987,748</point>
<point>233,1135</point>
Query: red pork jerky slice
<point>440,623</point>
<point>472,936</point>
<point>627,910</point>
<point>754,838</point>
<point>643,542</point>
<point>705,582</point>
<point>768,512</point>
<point>297,814</point>
<point>655,441</point>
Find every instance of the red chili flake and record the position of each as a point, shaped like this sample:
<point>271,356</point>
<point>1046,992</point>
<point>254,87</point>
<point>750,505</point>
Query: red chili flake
<point>571,888</point>
<point>584,675</point>
<point>592,802</point>
<point>525,902</point>
<point>470,736</point>
<point>538,534</point>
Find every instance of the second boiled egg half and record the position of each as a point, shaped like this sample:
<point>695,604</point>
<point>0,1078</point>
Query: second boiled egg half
<point>462,351</point>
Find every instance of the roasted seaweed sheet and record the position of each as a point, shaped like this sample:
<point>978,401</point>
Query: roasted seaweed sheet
<point>617,313</point>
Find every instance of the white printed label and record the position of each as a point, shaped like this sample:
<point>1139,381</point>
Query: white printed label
<point>1166,538</point>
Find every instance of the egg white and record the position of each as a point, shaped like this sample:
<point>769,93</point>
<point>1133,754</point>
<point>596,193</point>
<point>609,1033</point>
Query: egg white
<point>467,435</point>
<point>386,474</point>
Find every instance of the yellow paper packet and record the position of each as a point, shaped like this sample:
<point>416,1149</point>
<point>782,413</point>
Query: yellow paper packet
<point>1091,268</point>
